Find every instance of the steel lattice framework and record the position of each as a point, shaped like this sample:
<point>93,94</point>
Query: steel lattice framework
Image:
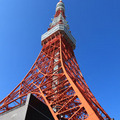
<point>56,80</point>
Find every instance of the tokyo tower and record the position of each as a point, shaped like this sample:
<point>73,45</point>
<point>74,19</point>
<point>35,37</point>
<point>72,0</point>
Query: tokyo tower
<point>55,78</point>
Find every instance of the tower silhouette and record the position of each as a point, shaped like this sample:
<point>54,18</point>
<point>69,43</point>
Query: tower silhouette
<point>55,78</point>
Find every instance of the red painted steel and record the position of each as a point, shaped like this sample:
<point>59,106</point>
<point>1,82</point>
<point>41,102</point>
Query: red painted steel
<point>63,90</point>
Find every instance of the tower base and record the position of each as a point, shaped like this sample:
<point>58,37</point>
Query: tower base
<point>33,109</point>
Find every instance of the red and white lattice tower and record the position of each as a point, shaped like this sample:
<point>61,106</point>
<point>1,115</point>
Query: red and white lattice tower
<point>55,77</point>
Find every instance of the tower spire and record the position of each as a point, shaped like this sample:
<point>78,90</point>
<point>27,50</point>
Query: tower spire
<point>59,17</point>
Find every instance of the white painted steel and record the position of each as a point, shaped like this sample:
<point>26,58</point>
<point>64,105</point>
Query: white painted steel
<point>59,27</point>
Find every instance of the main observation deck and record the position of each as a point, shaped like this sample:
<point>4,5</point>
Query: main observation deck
<point>62,29</point>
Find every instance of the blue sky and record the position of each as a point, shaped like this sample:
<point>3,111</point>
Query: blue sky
<point>95,24</point>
